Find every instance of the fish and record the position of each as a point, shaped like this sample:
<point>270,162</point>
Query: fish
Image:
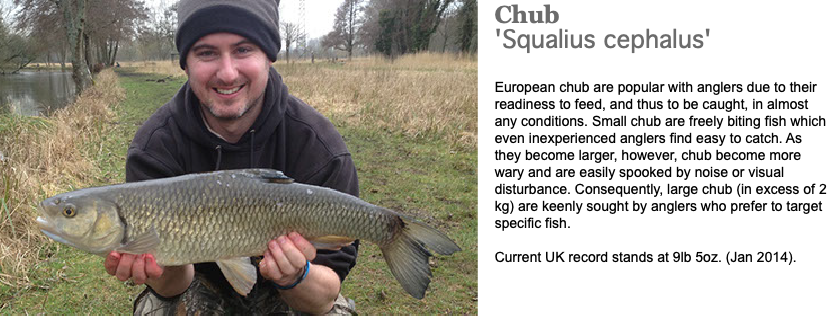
<point>229,216</point>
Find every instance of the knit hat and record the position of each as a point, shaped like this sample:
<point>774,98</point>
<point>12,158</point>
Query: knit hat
<point>256,20</point>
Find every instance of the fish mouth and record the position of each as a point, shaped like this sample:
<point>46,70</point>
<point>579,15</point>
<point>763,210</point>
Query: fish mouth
<point>57,238</point>
<point>47,229</point>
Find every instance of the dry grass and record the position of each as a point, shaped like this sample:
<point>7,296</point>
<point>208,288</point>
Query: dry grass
<point>163,67</point>
<point>422,95</point>
<point>42,157</point>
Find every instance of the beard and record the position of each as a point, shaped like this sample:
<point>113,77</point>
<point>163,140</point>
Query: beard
<point>211,109</point>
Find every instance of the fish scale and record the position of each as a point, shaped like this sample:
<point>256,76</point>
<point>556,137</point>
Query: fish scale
<point>227,216</point>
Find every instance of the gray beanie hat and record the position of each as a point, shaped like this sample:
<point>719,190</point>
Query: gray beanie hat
<point>256,20</point>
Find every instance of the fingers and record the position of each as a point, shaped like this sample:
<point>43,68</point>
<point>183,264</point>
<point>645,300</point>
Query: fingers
<point>295,259</point>
<point>285,259</point>
<point>138,267</point>
<point>125,267</point>
<point>138,270</point>
<point>305,247</point>
<point>111,262</point>
<point>268,267</point>
<point>152,269</point>
<point>279,256</point>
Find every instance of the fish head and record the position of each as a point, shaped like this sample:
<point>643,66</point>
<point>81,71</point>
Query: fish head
<point>84,221</point>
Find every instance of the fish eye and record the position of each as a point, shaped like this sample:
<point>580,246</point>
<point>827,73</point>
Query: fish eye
<point>69,211</point>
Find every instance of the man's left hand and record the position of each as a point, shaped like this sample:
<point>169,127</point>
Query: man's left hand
<point>285,259</point>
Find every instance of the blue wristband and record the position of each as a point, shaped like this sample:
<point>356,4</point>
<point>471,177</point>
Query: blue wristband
<point>300,279</point>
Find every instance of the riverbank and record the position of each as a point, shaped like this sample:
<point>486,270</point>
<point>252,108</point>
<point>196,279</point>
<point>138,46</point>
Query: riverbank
<point>43,156</point>
<point>423,174</point>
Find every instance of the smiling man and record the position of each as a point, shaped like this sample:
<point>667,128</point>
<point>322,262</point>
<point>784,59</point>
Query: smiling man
<point>235,112</point>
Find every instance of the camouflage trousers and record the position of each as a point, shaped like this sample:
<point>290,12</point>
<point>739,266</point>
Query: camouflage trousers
<point>202,298</point>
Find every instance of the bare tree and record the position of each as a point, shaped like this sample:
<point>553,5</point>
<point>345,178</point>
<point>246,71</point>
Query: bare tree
<point>405,26</point>
<point>87,26</point>
<point>290,35</point>
<point>110,22</point>
<point>348,21</point>
<point>156,38</point>
<point>73,20</point>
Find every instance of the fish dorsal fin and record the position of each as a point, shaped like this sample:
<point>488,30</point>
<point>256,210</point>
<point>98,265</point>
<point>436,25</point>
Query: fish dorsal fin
<point>265,175</point>
<point>145,242</point>
<point>240,273</point>
<point>274,176</point>
<point>285,180</point>
<point>270,175</point>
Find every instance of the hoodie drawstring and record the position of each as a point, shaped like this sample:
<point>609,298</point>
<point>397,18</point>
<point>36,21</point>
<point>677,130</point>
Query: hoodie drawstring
<point>251,157</point>
<point>251,153</point>
<point>219,157</point>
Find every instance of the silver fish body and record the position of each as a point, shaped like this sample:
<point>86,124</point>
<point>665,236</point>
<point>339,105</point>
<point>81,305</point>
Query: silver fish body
<point>227,216</point>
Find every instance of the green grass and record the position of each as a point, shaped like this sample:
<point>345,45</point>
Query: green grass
<point>419,177</point>
<point>425,180</point>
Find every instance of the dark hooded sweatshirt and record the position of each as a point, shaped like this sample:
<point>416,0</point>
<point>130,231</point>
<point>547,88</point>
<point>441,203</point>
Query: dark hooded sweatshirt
<point>289,135</point>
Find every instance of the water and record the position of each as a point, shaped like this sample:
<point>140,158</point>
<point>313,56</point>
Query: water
<point>35,92</point>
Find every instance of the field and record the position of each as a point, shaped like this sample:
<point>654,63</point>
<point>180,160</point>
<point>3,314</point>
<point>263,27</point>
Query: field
<point>410,125</point>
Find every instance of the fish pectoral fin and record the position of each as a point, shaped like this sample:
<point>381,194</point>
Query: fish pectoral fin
<point>240,273</point>
<point>331,242</point>
<point>143,243</point>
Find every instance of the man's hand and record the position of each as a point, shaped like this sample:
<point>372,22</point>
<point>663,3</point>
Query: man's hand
<point>139,267</point>
<point>285,259</point>
<point>167,281</point>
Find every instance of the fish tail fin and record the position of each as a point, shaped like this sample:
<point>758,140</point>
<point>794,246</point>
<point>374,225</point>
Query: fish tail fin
<point>407,254</point>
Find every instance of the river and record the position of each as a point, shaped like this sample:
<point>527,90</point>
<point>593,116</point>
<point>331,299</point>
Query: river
<point>35,92</point>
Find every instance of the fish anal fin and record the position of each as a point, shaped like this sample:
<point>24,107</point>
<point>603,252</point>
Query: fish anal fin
<point>145,242</point>
<point>240,273</point>
<point>331,242</point>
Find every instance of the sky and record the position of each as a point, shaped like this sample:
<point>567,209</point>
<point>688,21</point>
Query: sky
<point>319,13</point>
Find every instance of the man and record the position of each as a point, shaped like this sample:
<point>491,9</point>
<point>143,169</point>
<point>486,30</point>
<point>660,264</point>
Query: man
<point>235,112</point>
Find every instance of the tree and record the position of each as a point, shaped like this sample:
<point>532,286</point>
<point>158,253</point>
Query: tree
<point>156,39</point>
<point>348,21</point>
<point>44,25</point>
<point>71,14</point>
<point>109,23</point>
<point>86,26</point>
<point>406,26</point>
<point>386,32</point>
<point>290,35</point>
<point>467,26</point>
<point>427,16</point>
<point>16,52</point>
<point>73,20</point>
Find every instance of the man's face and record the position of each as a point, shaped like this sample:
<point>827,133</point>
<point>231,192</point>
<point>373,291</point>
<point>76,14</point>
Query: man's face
<point>228,73</point>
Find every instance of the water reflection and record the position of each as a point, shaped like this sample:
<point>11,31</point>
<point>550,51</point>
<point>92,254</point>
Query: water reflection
<point>35,92</point>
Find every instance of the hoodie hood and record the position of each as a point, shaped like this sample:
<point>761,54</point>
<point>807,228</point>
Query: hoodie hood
<point>275,102</point>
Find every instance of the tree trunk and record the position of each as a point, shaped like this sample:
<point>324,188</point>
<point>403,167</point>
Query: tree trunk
<point>115,52</point>
<point>87,53</point>
<point>63,56</point>
<point>73,12</point>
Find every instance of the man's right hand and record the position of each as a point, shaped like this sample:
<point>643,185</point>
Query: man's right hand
<point>139,267</point>
<point>165,281</point>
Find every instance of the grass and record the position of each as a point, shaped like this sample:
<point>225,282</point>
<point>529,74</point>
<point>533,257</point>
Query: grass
<point>428,171</point>
<point>43,157</point>
<point>425,96</point>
